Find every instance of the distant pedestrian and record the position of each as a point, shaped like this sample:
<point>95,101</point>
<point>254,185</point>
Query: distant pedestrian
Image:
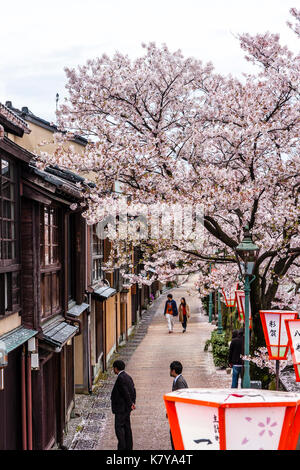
<point>178,382</point>
<point>170,312</point>
<point>235,360</point>
<point>123,398</point>
<point>184,313</point>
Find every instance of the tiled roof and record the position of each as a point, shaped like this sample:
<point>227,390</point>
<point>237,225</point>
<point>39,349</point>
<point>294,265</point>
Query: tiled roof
<point>28,115</point>
<point>12,117</point>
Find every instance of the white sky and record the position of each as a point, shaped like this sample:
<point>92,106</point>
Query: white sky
<point>38,38</point>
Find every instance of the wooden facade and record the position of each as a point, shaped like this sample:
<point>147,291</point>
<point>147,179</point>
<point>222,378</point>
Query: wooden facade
<point>53,290</point>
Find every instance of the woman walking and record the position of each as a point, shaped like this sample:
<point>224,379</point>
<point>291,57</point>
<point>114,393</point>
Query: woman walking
<point>184,313</point>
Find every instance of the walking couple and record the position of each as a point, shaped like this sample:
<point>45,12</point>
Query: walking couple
<point>171,311</point>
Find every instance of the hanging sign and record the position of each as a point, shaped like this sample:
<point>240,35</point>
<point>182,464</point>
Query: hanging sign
<point>275,331</point>
<point>293,331</point>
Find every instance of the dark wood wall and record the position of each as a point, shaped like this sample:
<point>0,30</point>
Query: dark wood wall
<point>10,404</point>
<point>30,277</point>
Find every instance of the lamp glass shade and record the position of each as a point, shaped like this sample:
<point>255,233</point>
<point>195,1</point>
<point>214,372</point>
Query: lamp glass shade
<point>217,419</point>
<point>240,303</point>
<point>275,333</point>
<point>3,354</point>
<point>229,297</point>
<point>247,249</point>
<point>293,331</point>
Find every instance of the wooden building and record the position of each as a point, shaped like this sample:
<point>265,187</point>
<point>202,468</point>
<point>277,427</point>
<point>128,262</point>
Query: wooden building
<point>42,289</point>
<point>15,393</point>
<point>61,315</point>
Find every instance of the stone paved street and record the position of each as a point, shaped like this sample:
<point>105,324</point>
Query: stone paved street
<point>149,368</point>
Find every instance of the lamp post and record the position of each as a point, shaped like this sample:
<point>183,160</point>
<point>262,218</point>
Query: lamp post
<point>220,328</point>
<point>247,251</point>
<point>3,362</point>
<point>210,303</point>
<point>123,300</point>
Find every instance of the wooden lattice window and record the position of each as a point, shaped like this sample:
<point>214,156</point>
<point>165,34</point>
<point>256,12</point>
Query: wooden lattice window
<point>9,267</point>
<point>50,261</point>
<point>7,211</point>
<point>97,254</point>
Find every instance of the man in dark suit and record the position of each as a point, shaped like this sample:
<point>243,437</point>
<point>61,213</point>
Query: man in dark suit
<point>178,382</point>
<point>123,398</point>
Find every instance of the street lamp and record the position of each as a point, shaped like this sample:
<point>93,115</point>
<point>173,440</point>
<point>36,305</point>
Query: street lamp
<point>276,335</point>
<point>123,300</point>
<point>3,362</point>
<point>210,303</point>
<point>220,328</point>
<point>247,251</point>
<point>293,331</point>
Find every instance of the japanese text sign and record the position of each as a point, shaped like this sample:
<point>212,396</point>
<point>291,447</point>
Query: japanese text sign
<point>293,331</point>
<point>275,331</point>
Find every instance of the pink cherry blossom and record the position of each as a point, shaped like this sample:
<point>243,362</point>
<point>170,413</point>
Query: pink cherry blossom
<point>171,130</point>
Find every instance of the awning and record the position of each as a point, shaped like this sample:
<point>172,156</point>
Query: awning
<point>17,337</point>
<point>105,292</point>
<point>151,270</point>
<point>58,333</point>
<point>77,310</point>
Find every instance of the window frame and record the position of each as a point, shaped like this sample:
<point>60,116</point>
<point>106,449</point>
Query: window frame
<point>10,267</point>
<point>97,256</point>
<point>50,267</point>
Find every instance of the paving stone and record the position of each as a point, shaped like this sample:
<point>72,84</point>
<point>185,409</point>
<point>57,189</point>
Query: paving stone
<point>83,444</point>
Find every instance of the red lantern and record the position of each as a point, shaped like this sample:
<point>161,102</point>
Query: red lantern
<point>230,297</point>
<point>217,419</point>
<point>275,331</point>
<point>293,331</point>
<point>240,302</point>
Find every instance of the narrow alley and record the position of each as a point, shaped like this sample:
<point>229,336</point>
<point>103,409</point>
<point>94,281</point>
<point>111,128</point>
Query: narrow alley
<point>149,368</point>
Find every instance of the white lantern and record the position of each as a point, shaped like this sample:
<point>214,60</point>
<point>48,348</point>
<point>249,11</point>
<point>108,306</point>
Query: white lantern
<point>217,419</point>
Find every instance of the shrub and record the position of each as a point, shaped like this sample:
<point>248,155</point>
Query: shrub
<point>220,349</point>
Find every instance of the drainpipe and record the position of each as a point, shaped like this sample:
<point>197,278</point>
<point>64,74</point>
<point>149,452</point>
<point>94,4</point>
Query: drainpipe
<point>29,403</point>
<point>116,320</point>
<point>23,399</point>
<point>89,345</point>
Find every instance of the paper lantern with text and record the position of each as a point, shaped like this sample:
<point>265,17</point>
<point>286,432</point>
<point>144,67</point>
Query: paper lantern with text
<point>229,297</point>
<point>240,303</point>
<point>293,331</point>
<point>216,419</point>
<point>275,331</point>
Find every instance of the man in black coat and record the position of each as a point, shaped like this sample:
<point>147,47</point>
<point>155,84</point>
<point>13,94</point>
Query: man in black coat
<point>176,372</point>
<point>235,352</point>
<point>123,398</point>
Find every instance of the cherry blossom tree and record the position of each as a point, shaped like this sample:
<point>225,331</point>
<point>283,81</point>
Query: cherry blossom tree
<point>171,130</point>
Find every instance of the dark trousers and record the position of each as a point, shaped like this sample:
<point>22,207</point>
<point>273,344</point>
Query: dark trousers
<point>123,431</point>
<point>184,322</point>
<point>236,372</point>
